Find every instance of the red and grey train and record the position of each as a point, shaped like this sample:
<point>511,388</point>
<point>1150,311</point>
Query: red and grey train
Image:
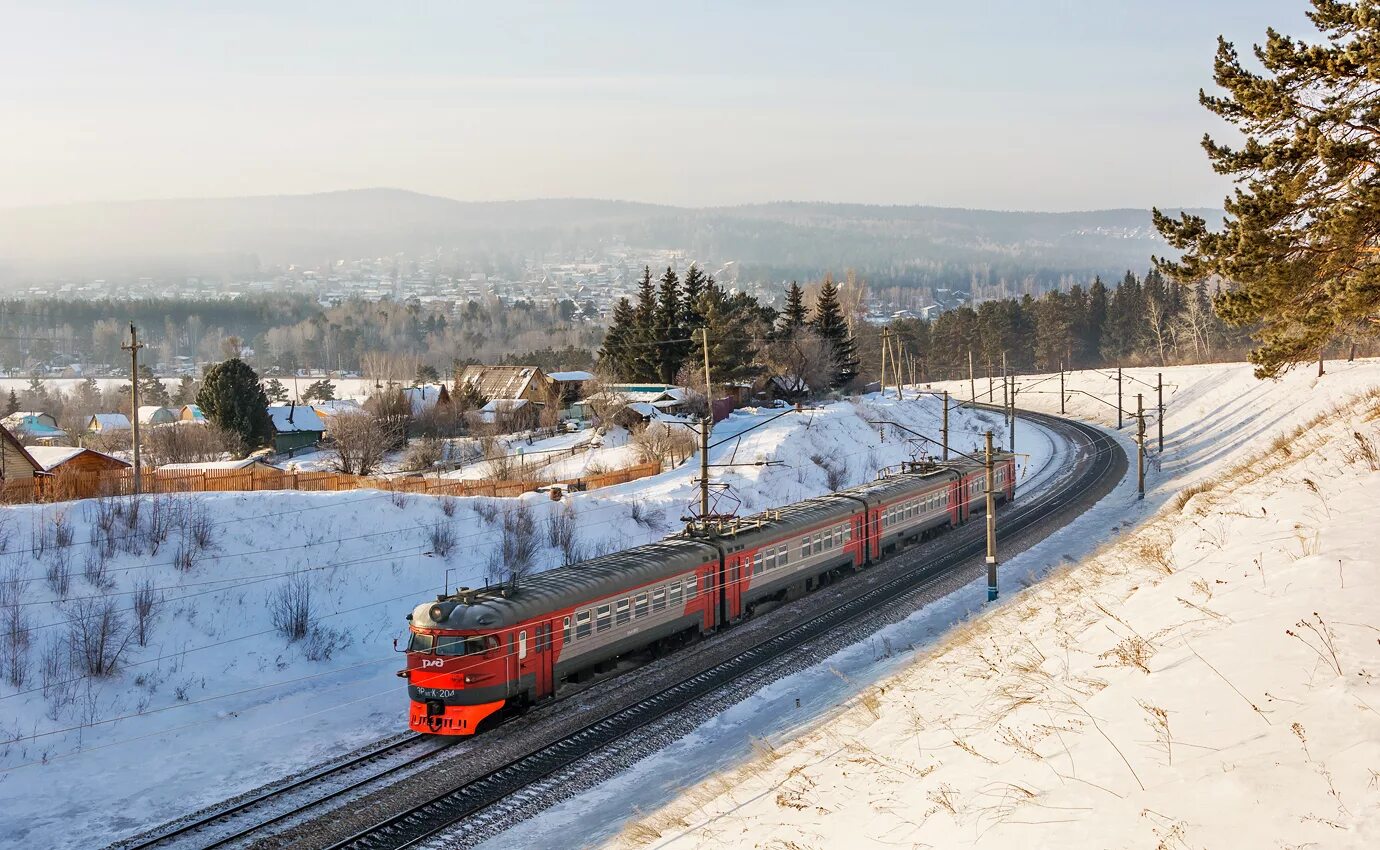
<point>474,652</point>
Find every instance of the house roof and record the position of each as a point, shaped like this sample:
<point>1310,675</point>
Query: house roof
<point>148,411</point>
<point>337,406</point>
<point>114,421</point>
<point>422,398</point>
<point>214,465</point>
<point>571,376</point>
<point>51,457</point>
<point>499,381</point>
<point>194,409</point>
<point>288,419</point>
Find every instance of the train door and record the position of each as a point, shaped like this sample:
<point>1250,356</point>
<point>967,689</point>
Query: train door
<point>545,661</point>
<point>733,587</point>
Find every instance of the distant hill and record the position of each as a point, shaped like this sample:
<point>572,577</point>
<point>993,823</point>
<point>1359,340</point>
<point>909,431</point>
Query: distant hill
<point>235,236</point>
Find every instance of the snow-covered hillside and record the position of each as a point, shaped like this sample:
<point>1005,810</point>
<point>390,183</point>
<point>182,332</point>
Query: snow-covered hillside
<point>1206,680</point>
<point>215,699</point>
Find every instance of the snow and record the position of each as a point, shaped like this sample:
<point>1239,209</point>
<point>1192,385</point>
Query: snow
<point>212,465</point>
<point>218,702</point>
<point>571,376</point>
<point>1207,679</point>
<point>51,456</point>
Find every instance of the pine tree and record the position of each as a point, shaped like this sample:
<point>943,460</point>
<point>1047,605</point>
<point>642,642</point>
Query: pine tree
<point>1097,319</point>
<point>12,406</point>
<point>794,316</point>
<point>324,390</point>
<point>275,391</point>
<point>186,391</point>
<point>691,318</point>
<point>426,374</point>
<point>151,389</point>
<point>1297,246</point>
<point>232,398</point>
<point>646,360</point>
<point>829,323</point>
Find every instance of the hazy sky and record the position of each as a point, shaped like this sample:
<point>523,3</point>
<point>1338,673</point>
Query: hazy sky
<point>1056,104</point>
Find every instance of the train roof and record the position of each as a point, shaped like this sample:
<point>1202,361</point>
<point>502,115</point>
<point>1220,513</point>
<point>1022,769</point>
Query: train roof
<point>564,587</point>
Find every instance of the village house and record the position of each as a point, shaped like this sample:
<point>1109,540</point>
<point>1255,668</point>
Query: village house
<point>107,423</point>
<point>56,459</point>
<point>528,383</point>
<point>34,427</point>
<point>295,426</point>
<point>327,411</point>
<point>16,464</point>
<point>191,413</point>
<point>152,414</point>
<point>424,398</point>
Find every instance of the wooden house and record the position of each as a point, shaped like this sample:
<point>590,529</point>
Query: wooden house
<point>528,383</point>
<point>16,464</point>
<point>295,426</point>
<point>56,459</point>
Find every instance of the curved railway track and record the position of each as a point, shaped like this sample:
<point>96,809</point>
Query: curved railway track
<point>1102,470</point>
<point>1102,461</point>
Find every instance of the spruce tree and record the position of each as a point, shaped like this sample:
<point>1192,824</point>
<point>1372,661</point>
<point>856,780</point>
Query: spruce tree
<point>693,287</point>
<point>12,406</point>
<point>794,316</point>
<point>672,340</point>
<point>275,392</point>
<point>186,391</point>
<point>152,390</point>
<point>1297,246</point>
<point>616,355</point>
<point>829,323</point>
<point>232,398</point>
<point>646,360</point>
<point>1097,319</point>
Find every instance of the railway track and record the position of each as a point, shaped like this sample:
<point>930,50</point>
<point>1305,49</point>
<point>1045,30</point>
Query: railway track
<point>444,811</point>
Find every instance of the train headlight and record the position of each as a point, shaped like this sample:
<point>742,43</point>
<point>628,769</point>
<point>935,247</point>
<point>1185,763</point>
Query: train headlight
<point>438,613</point>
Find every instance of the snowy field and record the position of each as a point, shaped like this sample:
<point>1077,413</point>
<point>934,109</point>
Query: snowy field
<point>1205,679</point>
<point>216,700</point>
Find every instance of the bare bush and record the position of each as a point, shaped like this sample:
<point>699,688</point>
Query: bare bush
<point>59,572</point>
<point>448,505</point>
<point>442,538</point>
<point>145,605</point>
<point>55,676</point>
<point>513,559</point>
<point>6,533</point>
<point>289,607</point>
<point>561,534</point>
<point>322,642</point>
<point>423,454</point>
<point>96,567</point>
<point>98,635</point>
<point>14,628</point>
<point>1366,451</point>
<point>441,420</point>
<point>500,465</point>
<point>661,443</point>
<point>186,443</point>
<point>362,440</point>
<point>652,519</point>
<point>835,473</point>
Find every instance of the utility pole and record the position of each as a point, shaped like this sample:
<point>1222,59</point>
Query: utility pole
<point>991,387</point>
<point>1159,420</point>
<point>1140,447</point>
<point>133,349</point>
<point>1061,388</point>
<point>705,424</point>
<point>882,382</point>
<point>946,425</point>
<point>991,525</point>
<point>1005,396</point>
<point>1118,397</point>
<point>972,382</point>
<point>1012,427</point>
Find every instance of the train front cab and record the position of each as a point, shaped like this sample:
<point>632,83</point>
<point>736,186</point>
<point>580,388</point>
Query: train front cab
<point>455,681</point>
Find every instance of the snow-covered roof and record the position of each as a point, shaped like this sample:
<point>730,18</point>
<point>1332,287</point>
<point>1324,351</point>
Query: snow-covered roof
<point>50,457</point>
<point>147,412</point>
<point>213,465</point>
<point>571,376</point>
<point>504,405</point>
<point>110,421</point>
<point>291,418</point>
<point>336,406</point>
<point>422,398</point>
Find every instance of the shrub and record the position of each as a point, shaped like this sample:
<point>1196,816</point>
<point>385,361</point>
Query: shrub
<point>423,454</point>
<point>98,636</point>
<point>289,607</point>
<point>442,538</point>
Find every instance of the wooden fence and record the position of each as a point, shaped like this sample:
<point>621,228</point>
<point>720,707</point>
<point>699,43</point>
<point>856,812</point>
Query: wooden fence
<point>77,485</point>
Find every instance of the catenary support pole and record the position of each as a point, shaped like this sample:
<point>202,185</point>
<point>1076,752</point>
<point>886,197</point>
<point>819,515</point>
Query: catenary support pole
<point>1140,446</point>
<point>1159,417</point>
<point>882,381</point>
<point>972,382</point>
<point>991,524</point>
<point>991,384</point>
<point>1013,414</point>
<point>1061,388</point>
<point>1005,394</point>
<point>1118,397</point>
<point>705,424</point>
<point>946,425</point>
<point>133,349</point>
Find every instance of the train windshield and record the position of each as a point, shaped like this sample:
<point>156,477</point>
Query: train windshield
<point>465,645</point>
<point>420,643</point>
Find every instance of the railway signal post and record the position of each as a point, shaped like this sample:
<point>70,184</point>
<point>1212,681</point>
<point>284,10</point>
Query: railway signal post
<point>1140,446</point>
<point>991,524</point>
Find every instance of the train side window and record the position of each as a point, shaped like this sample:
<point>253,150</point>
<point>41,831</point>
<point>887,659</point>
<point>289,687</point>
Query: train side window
<point>659,599</point>
<point>804,547</point>
<point>769,559</point>
<point>582,623</point>
<point>757,564</point>
<point>783,557</point>
<point>603,618</point>
<point>838,535</point>
<point>690,588</point>
<point>819,543</point>
<point>522,645</point>
<point>640,605</point>
<point>622,612</point>
<point>847,533</point>
<point>673,594</point>
<point>565,631</point>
